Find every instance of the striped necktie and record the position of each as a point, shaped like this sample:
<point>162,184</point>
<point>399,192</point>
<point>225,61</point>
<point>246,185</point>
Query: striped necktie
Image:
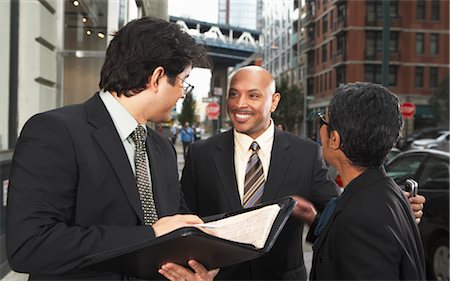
<point>254,178</point>
<point>139,136</point>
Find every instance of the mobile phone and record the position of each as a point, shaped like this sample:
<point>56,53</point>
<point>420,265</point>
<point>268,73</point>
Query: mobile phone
<point>411,186</point>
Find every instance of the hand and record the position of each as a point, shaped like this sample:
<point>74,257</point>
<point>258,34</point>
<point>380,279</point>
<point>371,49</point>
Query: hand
<point>416,203</point>
<point>175,272</point>
<point>167,224</point>
<point>304,210</point>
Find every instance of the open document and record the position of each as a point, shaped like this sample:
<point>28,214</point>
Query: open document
<point>239,236</point>
<point>251,227</point>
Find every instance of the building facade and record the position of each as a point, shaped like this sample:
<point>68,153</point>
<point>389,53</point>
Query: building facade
<point>51,56</point>
<point>341,42</point>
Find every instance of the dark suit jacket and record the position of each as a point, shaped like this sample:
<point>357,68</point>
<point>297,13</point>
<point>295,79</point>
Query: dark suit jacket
<point>297,167</point>
<point>73,193</point>
<point>370,235</point>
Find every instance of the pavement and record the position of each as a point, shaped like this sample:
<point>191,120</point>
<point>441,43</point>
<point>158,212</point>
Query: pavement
<point>307,250</point>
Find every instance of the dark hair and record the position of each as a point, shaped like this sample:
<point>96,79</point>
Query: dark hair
<point>142,45</point>
<point>368,119</point>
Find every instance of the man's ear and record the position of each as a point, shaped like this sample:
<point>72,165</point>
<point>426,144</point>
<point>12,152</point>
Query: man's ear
<point>155,78</point>
<point>275,100</point>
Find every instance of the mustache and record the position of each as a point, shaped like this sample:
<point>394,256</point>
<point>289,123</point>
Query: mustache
<point>239,111</point>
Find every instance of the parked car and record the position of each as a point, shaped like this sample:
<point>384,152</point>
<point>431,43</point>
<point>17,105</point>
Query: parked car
<point>425,133</point>
<point>440,142</point>
<point>430,168</point>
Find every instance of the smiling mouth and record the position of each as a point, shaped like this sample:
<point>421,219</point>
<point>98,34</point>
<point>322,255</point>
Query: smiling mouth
<point>242,116</point>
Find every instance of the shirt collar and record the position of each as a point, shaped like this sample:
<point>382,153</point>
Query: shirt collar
<point>123,120</point>
<point>265,140</point>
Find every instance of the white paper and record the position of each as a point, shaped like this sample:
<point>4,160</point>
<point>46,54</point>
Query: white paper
<point>252,227</point>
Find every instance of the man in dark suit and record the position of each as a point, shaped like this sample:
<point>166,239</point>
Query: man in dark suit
<point>75,188</point>
<point>214,178</point>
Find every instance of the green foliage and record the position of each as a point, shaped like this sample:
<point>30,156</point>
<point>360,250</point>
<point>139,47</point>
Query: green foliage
<point>290,108</point>
<point>440,103</point>
<point>188,110</point>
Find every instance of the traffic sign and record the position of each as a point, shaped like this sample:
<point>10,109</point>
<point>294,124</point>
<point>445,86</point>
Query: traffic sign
<point>408,109</point>
<point>213,110</point>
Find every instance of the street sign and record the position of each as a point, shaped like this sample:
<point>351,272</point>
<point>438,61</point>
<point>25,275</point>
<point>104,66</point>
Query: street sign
<point>213,110</point>
<point>408,109</point>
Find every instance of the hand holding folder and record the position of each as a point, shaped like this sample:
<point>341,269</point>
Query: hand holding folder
<point>241,236</point>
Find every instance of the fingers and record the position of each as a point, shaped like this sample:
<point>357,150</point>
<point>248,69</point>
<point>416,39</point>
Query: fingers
<point>202,272</point>
<point>175,272</point>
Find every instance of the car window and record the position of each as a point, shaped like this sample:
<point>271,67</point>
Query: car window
<point>434,174</point>
<point>405,167</point>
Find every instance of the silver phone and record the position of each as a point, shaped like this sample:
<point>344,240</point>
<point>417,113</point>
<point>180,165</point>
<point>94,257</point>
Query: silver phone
<point>411,186</point>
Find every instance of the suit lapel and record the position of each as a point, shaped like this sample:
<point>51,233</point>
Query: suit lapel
<point>108,140</point>
<point>279,163</point>
<point>224,165</point>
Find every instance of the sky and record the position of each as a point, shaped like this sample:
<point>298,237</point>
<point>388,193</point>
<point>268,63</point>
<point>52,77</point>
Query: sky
<point>203,10</point>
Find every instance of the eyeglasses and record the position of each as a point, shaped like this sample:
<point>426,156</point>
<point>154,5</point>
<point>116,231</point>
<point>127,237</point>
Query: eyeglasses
<point>188,88</point>
<point>322,121</point>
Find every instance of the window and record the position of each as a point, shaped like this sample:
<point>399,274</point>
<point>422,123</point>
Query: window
<point>420,38</point>
<point>372,73</point>
<point>320,83</point>
<point>374,10</point>
<point>325,79</point>
<point>340,75</point>
<point>341,45</point>
<point>435,10</point>
<point>433,77</point>
<point>329,76</point>
<point>420,10</point>
<point>374,42</point>
<point>434,44</point>
<point>419,77</point>
<point>324,24</point>
<point>341,12</point>
<point>324,53</point>
<point>434,174</point>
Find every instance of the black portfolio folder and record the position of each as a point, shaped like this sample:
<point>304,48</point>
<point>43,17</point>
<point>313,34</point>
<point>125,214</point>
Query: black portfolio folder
<point>144,259</point>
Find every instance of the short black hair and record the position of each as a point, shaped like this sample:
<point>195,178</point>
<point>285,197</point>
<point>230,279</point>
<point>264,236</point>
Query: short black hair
<point>142,45</point>
<point>368,119</point>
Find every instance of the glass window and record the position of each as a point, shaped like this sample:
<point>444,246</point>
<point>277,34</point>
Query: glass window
<point>434,174</point>
<point>329,76</point>
<point>374,10</point>
<point>433,77</point>
<point>340,75</point>
<point>405,167</point>
<point>324,53</point>
<point>324,24</point>
<point>419,77</point>
<point>434,44</point>
<point>372,73</point>
<point>420,43</point>
<point>435,9</point>
<point>341,45</point>
<point>420,10</point>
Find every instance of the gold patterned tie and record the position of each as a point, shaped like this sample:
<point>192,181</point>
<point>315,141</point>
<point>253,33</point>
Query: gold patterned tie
<point>254,178</point>
<point>139,136</point>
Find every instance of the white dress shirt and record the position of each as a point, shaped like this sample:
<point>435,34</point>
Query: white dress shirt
<point>242,154</point>
<point>125,125</point>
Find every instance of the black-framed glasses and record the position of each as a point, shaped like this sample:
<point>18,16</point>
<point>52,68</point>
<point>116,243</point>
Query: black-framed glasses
<point>188,88</point>
<point>322,120</point>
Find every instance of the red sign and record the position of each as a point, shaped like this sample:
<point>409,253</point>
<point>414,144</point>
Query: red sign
<point>213,110</point>
<point>408,109</point>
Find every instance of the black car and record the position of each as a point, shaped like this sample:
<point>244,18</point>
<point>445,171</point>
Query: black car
<point>430,168</point>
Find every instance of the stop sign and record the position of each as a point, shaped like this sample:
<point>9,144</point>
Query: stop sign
<point>408,109</point>
<point>213,110</point>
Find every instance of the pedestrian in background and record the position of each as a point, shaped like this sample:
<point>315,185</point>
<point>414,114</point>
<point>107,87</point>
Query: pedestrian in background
<point>187,137</point>
<point>174,133</point>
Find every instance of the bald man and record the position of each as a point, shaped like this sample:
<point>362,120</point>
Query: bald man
<point>214,177</point>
